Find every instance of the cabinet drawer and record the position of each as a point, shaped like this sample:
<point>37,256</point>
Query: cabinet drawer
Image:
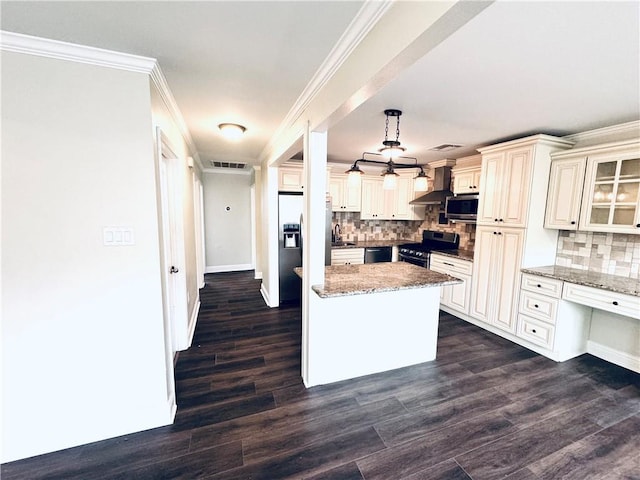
<point>619,303</point>
<point>539,306</point>
<point>449,265</point>
<point>536,331</point>
<point>543,285</point>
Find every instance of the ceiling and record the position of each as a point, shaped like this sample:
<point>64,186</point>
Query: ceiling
<point>517,68</point>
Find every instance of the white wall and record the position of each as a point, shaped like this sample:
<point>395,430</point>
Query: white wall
<point>227,218</point>
<point>82,331</point>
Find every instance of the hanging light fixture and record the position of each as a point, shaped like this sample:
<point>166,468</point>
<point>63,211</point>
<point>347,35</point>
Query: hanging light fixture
<point>420,183</point>
<point>392,148</point>
<point>390,180</point>
<point>232,131</point>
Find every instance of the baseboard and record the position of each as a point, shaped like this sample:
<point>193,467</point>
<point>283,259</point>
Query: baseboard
<point>258,275</point>
<point>193,320</point>
<point>265,296</point>
<point>228,268</point>
<point>621,359</point>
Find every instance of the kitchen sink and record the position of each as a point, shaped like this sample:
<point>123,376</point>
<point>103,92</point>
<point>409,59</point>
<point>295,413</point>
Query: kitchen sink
<point>342,244</point>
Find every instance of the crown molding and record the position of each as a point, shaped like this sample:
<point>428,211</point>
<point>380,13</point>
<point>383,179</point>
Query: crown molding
<point>43,47</point>
<point>160,82</point>
<point>362,23</point>
<point>629,129</point>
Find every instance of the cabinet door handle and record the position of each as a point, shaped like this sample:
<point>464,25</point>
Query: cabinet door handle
<point>495,219</point>
<point>539,286</point>
<point>533,330</point>
<point>450,264</point>
<point>638,225</point>
<point>536,305</point>
<point>615,302</point>
<point>573,222</point>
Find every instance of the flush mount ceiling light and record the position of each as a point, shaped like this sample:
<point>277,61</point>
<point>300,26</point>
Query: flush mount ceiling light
<point>232,131</point>
<point>392,148</point>
<point>390,176</point>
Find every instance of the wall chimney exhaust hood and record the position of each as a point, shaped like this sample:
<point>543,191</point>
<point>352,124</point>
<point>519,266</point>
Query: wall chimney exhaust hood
<point>441,186</point>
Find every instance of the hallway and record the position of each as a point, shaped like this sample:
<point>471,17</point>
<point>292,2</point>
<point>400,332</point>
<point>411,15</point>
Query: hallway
<point>485,409</point>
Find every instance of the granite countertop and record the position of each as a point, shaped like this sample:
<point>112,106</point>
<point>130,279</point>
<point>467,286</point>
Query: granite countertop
<point>613,283</point>
<point>461,253</point>
<point>372,243</point>
<point>342,280</point>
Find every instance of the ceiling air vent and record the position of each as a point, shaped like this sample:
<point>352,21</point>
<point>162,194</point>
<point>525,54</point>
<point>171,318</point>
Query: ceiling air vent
<point>227,165</point>
<point>445,147</point>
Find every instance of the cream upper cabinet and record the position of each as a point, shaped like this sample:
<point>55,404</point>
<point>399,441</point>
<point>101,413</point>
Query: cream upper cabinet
<point>496,276</point>
<point>504,187</point>
<point>372,200</point>
<point>290,179</point>
<point>611,195</point>
<point>381,204</point>
<point>509,181</point>
<point>564,196</point>
<point>466,180</point>
<point>344,197</point>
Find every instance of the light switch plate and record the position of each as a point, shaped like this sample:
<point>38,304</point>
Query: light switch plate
<point>118,236</point>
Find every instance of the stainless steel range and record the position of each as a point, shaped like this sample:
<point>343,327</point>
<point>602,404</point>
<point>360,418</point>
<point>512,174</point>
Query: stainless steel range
<point>419,253</point>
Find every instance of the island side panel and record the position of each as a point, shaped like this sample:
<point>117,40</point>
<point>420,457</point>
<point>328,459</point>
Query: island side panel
<point>355,335</point>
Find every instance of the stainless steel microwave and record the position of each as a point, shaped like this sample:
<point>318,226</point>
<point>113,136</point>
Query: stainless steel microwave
<point>462,208</point>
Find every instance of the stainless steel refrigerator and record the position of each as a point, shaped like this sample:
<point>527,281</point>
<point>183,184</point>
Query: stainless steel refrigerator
<point>290,243</point>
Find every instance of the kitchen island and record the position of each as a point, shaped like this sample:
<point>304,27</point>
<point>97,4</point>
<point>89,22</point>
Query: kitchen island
<point>371,318</point>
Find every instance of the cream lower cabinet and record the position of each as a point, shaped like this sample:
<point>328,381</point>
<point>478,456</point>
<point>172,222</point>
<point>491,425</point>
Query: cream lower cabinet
<point>496,276</point>
<point>455,297</point>
<point>347,256</point>
<point>558,328</point>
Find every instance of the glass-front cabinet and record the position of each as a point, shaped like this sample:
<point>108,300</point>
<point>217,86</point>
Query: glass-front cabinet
<point>611,196</point>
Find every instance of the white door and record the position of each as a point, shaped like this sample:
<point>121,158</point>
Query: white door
<point>172,255</point>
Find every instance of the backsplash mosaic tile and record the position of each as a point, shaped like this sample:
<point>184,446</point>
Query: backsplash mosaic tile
<point>355,229</point>
<point>362,230</point>
<point>467,231</point>
<point>612,253</point>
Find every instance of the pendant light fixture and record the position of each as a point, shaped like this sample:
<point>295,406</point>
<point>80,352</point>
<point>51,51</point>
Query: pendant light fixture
<point>392,148</point>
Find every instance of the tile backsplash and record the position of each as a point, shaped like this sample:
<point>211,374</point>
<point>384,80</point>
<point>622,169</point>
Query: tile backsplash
<point>612,253</point>
<point>353,228</point>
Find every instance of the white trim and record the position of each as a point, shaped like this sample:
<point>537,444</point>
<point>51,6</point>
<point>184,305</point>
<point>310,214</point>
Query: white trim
<point>193,321</point>
<point>159,80</point>
<point>228,171</point>
<point>622,359</point>
<point>265,296</point>
<point>631,128</point>
<point>228,268</point>
<point>43,47</point>
<point>258,275</point>
<point>362,23</point>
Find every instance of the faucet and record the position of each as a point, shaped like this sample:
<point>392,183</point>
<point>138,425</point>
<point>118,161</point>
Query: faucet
<point>337,232</point>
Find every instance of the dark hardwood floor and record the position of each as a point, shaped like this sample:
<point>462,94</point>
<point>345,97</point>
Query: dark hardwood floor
<point>485,409</point>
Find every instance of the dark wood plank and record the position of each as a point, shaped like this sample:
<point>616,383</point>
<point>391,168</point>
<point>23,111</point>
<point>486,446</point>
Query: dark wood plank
<point>416,455</point>
<point>614,450</point>
<point>513,452</point>
<point>243,411</point>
